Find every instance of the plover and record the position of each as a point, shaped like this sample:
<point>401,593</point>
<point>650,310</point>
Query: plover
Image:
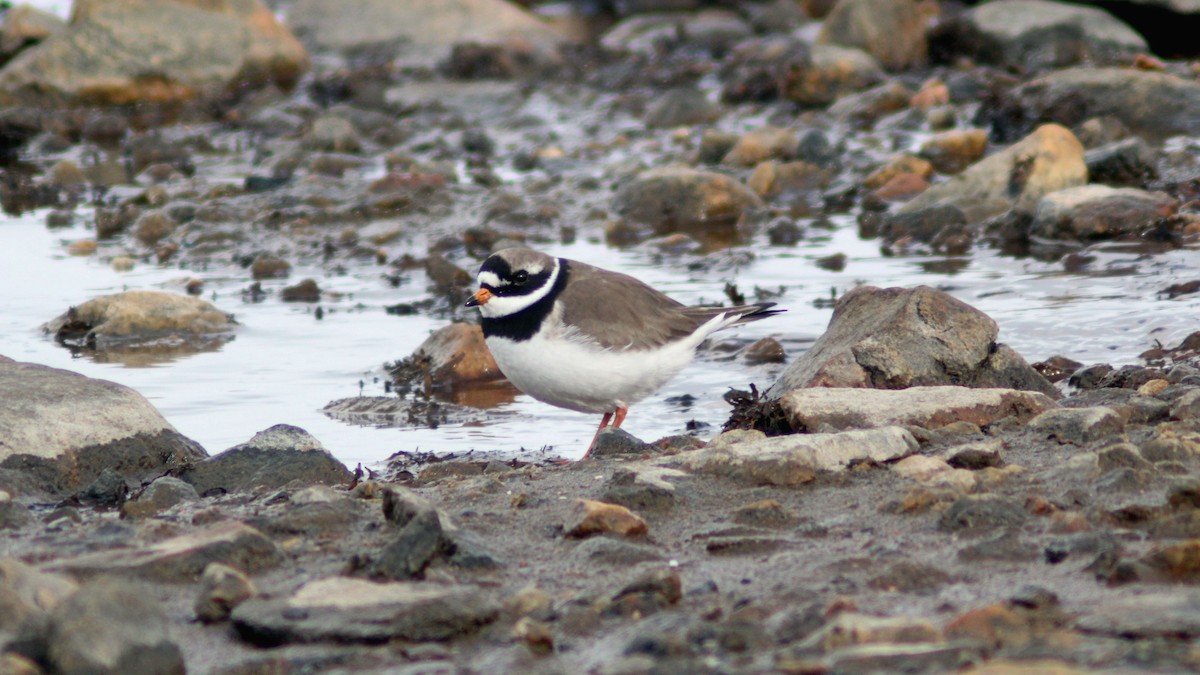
<point>589,339</point>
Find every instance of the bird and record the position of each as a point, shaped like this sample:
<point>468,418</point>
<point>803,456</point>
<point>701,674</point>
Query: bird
<point>589,339</point>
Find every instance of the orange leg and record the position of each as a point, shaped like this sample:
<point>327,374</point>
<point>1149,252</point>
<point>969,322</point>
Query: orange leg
<point>603,423</point>
<point>621,413</point>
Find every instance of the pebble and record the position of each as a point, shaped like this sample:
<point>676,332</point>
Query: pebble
<point>1079,426</point>
<point>222,588</point>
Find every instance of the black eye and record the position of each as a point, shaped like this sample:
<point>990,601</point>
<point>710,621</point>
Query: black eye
<point>520,277</point>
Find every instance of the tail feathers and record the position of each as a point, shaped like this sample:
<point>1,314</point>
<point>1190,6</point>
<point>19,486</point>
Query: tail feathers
<point>749,313</point>
<point>720,318</point>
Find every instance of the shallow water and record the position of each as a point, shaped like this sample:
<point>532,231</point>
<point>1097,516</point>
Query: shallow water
<point>284,365</point>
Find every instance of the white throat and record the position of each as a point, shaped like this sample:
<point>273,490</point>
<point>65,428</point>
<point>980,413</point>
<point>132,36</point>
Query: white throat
<point>499,306</point>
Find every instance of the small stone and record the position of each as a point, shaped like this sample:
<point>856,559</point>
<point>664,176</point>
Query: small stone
<point>109,489</point>
<point>222,588</point>
<point>270,267</point>
<point>13,515</point>
<point>681,107</point>
<point>639,491</point>
<point>910,577</point>
<point>333,134</point>
<point>1079,426</point>
<point>850,629</point>
<point>1187,407</point>
<point>757,146</point>
<point>653,591</point>
<point>897,166</point>
<point>616,552</point>
<point>162,494</point>
<point>765,350</point>
<point>612,442</point>
<point>1122,455</point>
<point>1007,545</point>
<point>589,517</point>
<point>952,151</point>
<point>152,227</point>
<point>123,264</point>
<point>305,291</point>
<point>764,513</point>
<point>981,512</point>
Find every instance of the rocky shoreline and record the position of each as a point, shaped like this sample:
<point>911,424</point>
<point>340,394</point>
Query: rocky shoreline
<point>908,495</point>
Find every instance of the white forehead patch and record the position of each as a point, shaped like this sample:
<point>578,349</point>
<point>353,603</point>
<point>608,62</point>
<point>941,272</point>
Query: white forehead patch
<point>489,279</point>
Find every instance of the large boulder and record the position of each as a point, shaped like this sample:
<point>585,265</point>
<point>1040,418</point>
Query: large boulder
<point>1039,34</point>
<point>893,31</point>
<point>896,338</point>
<point>1049,159</point>
<point>419,30</point>
<point>1150,104</point>
<point>154,51</point>
<point>59,430</point>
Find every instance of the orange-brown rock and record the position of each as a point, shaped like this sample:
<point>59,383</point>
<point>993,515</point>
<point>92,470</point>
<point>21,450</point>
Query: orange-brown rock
<point>588,517</point>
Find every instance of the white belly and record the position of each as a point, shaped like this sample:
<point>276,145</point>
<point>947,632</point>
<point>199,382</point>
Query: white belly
<point>580,376</point>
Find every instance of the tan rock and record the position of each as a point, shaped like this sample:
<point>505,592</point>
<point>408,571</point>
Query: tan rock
<point>797,458</point>
<point>900,164</point>
<point>588,517</point>
<point>952,151</point>
<point>757,146</point>
<point>1049,159</point>
<point>893,31</point>
<point>929,407</point>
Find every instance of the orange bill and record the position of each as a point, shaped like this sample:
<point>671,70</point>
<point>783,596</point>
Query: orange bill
<point>481,297</point>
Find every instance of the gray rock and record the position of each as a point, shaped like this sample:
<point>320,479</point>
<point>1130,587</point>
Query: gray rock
<point>109,489</point>
<point>1129,162</point>
<point>1079,426</point>
<point>14,515</point>
<point>182,558</point>
<point>314,519</point>
<point>1153,105</point>
<point>198,50</point>
<point>138,316</point>
<point>1037,34</point>
<point>928,407</point>
<point>47,441</point>
<point>1187,406</point>
<point>332,134</point>
<point>896,338</point>
<point>27,595</point>
<point>1173,614</point>
<point>892,31</point>
<point>1049,159</point>
<point>681,107</point>
<point>1008,545</point>
<point>797,458</point>
<point>111,627</point>
<point>166,492</point>
<point>976,513</point>
<point>907,658</point>
<point>419,31</point>
<point>619,443</point>
<point>341,609</point>
<point>612,551</point>
<point>678,199</point>
<point>25,25</point>
<point>1094,212</point>
<point>817,75</point>
<point>271,459</point>
<point>639,489</point>
<point>419,542</point>
<point>222,588</point>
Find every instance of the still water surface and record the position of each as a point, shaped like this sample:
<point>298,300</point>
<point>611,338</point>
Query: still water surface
<point>284,365</point>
